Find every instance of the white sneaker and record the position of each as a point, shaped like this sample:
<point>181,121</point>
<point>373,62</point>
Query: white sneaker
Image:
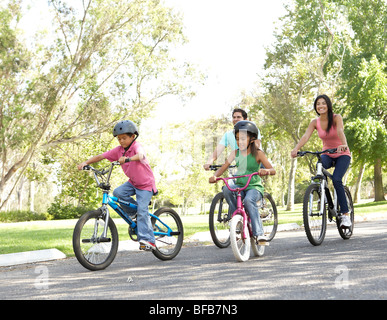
<point>345,222</point>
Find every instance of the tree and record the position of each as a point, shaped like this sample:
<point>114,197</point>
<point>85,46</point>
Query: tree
<point>109,60</point>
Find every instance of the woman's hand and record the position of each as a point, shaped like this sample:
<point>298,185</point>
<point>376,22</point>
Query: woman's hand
<point>342,148</point>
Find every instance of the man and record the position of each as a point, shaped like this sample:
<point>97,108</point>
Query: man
<point>228,139</point>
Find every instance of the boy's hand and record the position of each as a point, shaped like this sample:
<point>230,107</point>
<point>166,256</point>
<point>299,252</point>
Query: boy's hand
<point>122,160</point>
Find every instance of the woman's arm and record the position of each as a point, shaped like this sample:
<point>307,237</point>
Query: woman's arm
<point>304,139</point>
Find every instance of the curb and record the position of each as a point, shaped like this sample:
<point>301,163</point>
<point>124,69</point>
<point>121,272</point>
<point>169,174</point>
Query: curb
<point>12,259</point>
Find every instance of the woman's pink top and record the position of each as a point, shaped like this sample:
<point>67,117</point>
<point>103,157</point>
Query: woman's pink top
<point>331,140</point>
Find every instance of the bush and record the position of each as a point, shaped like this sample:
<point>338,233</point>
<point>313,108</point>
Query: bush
<point>19,216</point>
<point>59,211</point>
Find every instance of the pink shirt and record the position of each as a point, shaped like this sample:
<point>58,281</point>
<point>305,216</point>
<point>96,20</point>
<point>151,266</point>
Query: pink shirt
<point>139,172</point>
<point>330,140</point>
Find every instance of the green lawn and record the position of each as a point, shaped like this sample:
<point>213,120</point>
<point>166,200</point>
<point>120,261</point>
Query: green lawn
<point>37,235</point>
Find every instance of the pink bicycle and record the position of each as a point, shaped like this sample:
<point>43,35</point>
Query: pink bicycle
<point>240,227</point>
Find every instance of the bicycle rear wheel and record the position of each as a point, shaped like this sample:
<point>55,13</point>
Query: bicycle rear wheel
<point>240,247</point>
<point>219,221</point>
<point>92,250</point>
<point>346,233</point>
<point>315,224</point>
<point>167,246</point>
<point>269,215</point>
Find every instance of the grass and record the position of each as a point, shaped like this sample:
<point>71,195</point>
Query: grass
<point>38,235</point>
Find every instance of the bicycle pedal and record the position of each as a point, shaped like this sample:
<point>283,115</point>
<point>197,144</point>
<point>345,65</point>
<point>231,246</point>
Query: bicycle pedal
<point>263,243</point>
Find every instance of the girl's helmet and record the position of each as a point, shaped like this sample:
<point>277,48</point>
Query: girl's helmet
<point>125,126</point>
<point>248,126</point>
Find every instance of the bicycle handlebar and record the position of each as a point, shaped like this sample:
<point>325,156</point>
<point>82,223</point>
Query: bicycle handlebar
<point>215,167</point>
<point>302,153</point>
<point>236,177</point>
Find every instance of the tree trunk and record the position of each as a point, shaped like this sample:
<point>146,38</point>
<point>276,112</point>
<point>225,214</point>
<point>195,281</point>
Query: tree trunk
<point>292,176</point>
<point>356,196</point>
<point>378,185</point>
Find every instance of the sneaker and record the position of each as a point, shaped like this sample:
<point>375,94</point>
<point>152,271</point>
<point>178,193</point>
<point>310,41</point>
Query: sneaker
<point>147,246</point>
<point>262,238</point>
<point>345,221</point>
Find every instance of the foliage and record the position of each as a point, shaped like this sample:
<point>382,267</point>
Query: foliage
<point>59,211</point>
<point>22,215</point>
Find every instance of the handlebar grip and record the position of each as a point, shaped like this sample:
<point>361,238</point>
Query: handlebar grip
<point>127,160</point>
<point>87,167</point>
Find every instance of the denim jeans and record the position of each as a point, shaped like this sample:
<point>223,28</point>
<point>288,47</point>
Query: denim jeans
<point>143,197</point>
<point>341,166</point>
<point>250,198</point>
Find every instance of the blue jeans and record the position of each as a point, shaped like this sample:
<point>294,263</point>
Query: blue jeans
<point>341,165</point>
<point>143,197</point>
<point>250,198</point>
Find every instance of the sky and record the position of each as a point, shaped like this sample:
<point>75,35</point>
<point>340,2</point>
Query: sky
<point>227,39</point>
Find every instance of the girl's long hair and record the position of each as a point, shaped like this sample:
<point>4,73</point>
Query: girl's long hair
<point>254,149</point>
<point>330,110</point>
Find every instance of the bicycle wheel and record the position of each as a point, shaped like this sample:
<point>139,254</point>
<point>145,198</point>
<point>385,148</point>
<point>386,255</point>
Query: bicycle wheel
<point>167,247</point>
<point>315,224</point>
<point>219,221</point>
<point>257,249</point>
<point>269,215</point>
<point>240,247</point>
<point>346,233</point>
<point>92,251</point>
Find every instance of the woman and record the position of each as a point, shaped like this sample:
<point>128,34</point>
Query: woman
<point>330,129</point>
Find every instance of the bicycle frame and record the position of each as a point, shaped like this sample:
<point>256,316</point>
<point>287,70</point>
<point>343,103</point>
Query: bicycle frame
<point>112,202</point>
<point>322,175</point>
<point>240,209</point>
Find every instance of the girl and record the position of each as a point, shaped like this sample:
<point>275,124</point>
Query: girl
<point>248,160</point>
<point>330,129</point>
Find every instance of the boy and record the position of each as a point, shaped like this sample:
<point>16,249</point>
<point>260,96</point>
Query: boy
<point>141,180</point>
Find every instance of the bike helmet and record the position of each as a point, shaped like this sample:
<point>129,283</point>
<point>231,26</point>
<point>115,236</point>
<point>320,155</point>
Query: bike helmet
<point>246,126</point>
<point>125,126</point>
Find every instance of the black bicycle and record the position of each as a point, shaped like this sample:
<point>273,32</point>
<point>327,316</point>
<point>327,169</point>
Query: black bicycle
<point>318,200</point>
<point>219,217</point>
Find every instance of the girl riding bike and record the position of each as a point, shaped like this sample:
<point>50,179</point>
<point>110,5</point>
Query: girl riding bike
<point>248,160</point>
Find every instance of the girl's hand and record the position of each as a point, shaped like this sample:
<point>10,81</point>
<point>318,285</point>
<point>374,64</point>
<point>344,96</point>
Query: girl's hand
<point>263,172</point>
<point>212,179</point>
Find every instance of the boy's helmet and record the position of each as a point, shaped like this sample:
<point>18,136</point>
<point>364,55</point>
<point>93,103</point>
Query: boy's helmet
<point>247,126</point>
<point>125,126</point>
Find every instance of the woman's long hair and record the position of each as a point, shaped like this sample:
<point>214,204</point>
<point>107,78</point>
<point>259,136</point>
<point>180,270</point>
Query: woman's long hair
<point>330,111</point>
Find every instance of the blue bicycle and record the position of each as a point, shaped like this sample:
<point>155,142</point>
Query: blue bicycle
<point>95,236</point>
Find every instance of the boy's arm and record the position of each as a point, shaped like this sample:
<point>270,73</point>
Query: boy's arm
<point>91,160</point>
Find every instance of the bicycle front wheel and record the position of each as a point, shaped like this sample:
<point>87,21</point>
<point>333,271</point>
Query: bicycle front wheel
<point>315,223</point>
<point>346,233</point>
<point>92,250</point>
<point>169,233</point>
<point>219,221</point>
<point>240,247</point>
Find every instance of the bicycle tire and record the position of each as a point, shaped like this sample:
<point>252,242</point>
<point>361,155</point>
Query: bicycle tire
<point>89,250</point>
<point>219,222</point>
<point>167,247</point>
<point>269,215</point>
<point>258,250</point>
<point>240,247</point>
<point>347,232</point>
<point>315,228</point>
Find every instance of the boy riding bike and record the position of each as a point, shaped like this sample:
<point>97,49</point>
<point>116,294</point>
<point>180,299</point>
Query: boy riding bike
<point>248,160</point>
<point>131,156</point>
